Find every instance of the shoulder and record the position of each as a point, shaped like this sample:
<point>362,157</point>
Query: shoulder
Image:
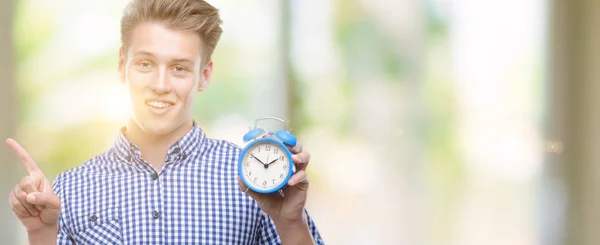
<point>102,164</point>
<point>217,146</point>
<point>220,155</point>
<point>220,151</point>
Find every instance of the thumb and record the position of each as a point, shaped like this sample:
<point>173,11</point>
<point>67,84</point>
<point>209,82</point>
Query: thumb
<point>48,200</point>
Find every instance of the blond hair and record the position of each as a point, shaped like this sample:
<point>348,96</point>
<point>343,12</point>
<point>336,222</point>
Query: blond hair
<point>186,15</point>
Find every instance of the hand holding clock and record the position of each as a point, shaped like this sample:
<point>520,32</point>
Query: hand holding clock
<point>288,212</point>
<point>285,173</point>
<point>291,207</point>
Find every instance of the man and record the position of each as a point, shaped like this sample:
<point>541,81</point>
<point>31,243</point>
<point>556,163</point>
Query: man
<point>163,181</point>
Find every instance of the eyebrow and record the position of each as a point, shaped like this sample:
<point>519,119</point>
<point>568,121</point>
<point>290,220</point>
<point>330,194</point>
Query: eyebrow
<point>183,61</point>
<point>137,53</point>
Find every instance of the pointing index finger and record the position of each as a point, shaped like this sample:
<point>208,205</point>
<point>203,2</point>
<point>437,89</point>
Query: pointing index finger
<point>23,156</point>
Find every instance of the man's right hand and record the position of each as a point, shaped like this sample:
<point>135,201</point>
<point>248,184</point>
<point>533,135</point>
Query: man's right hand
<point>33,201</point>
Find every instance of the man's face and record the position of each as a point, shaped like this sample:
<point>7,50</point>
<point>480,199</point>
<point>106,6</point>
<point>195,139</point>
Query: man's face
<point>163,70</point>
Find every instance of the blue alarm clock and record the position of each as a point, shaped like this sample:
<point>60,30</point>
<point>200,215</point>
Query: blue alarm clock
<point>265,164</point>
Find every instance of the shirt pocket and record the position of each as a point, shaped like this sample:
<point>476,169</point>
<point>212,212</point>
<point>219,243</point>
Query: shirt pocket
<point>102,226</point>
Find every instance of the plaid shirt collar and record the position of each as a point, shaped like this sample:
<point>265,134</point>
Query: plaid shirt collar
<point>129,152</point>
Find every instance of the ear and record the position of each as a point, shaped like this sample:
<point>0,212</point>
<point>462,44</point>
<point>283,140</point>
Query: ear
<point>206,75</point>
<point>122,64</point>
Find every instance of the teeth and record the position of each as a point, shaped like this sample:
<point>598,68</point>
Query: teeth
<point>158,104</point>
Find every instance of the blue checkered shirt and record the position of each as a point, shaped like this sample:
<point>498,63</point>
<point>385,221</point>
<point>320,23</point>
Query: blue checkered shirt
<point>118,198</point>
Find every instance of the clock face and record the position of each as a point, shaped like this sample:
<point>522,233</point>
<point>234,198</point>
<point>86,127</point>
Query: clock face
<point>265,165</point>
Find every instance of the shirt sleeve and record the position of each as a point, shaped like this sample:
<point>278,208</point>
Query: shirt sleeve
<point>62,238</point>
<point>268,234</point>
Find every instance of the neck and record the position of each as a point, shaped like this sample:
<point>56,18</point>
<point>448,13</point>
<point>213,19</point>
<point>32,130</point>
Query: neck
<point>154,147</point>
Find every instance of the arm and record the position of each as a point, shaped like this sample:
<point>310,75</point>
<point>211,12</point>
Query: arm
<point>285,220</point>
<point>58,235</point>
<point>49,237</point>
<point>34,202</point>
<point>301,232</point>
<point>44,237</point>
<point>294,232</point>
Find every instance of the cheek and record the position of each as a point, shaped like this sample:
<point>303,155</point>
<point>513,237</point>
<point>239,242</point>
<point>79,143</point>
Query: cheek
<point>185,90</point>
<point>138,83</point>
<point>136,79</point>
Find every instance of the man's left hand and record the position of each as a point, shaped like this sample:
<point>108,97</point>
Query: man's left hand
<point>288,209</point>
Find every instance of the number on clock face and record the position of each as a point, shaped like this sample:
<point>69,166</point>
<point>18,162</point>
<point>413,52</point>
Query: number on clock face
<point>265,165</point>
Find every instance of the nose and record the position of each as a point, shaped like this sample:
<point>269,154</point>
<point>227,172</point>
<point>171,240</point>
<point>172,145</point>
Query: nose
<point>161,85</point>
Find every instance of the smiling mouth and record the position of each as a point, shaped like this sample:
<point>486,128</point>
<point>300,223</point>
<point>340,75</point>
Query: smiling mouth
<point>158,104</point>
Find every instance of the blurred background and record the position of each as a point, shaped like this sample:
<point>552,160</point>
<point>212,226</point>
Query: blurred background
<point>454,122</point>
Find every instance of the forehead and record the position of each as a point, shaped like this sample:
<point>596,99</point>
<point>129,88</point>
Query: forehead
<point>165,43</point>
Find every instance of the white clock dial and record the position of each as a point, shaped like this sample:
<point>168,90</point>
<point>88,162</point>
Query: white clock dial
<point>265,165</point>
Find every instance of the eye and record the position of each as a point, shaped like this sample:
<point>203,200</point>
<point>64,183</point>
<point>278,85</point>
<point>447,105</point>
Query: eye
<point>179,69</point>
<point>144,65</point>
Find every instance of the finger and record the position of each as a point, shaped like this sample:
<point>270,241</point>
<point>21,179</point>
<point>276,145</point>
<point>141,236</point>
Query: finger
<point>298,177</point>
<point>23,156</point>
<point>48,200</point>
<point>21,195</point>
<point>302,157</point>
<point>30,184</point>
<point>17,207</point>
<point>50,205</point>
<point>295,149</point>
<point>22,198</point>
<point>301,160</point>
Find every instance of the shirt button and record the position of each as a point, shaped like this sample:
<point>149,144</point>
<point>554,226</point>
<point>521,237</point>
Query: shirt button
<point>183,156</point>
<point>93,218</point>
<point>154,176</point>
<point>155,214</point>
<point>176,150</point>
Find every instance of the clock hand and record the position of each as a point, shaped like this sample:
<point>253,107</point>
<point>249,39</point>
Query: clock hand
<point>267,165</point>
<point>252,155</point>
<point>264,165</point>
<point>272,161</point>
